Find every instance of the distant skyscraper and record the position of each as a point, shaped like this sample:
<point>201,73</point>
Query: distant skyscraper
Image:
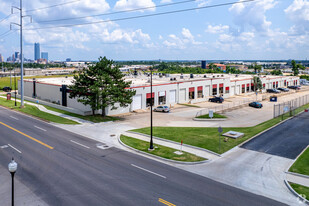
<point>37,51</point>
<point>44,55</point>
<point>16,55</point>
<point>203,64</point>
<point>1,58</point>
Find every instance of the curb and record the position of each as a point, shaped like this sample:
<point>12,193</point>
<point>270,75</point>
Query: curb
<point>295,193</point>
<point>166,140</point>
<point>161,158</point>
<point>215,119</point>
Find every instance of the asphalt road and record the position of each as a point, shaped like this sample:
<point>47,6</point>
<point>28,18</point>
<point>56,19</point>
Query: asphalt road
<point>286,140</point>
<point>63,168</point>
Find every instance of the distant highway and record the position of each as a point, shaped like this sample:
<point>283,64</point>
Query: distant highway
<point>63,168</point>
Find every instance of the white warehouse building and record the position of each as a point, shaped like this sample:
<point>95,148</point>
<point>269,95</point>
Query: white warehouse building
<point>167,90</point>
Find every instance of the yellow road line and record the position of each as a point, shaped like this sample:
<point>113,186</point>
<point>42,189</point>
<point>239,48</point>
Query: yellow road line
<point>166,202</point>
<point>38,141</point>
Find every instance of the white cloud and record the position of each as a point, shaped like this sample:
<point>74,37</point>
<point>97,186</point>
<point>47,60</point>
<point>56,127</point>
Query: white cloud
<point>201,3</point>
<point>134,4</point>
<point>165,1</point>
<point>217,29</point>
<point>181,42</point>
<point>298,12</point>
<point>253,14</point>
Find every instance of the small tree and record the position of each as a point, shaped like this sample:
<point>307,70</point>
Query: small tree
<point>257,83</point>
<point>257,68</point>
<point>101,86</point>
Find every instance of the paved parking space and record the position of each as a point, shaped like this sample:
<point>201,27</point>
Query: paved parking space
<point>286,140</point>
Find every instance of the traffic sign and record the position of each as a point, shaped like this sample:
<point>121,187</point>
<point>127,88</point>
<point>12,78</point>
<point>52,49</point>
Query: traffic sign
<point>220,130</point>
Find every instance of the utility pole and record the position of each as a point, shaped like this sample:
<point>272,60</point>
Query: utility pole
<point>21,50</point>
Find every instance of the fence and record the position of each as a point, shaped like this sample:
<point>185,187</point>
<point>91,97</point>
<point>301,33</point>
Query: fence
<point>290,106</point>
<point>225,107</point>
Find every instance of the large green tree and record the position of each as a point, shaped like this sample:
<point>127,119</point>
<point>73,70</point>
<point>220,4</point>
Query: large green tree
<point>257,83</point>
<point>100,86</point>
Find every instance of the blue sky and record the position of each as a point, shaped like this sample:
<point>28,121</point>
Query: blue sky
<point>261,29</point>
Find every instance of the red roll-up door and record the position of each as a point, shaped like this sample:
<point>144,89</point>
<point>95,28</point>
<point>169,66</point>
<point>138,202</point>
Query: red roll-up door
<point>200,88</point>
<point>191,89</point>
<point>243,86</point>
<point>227,88</point>
<point>220,85</point>
<point>214,86</point>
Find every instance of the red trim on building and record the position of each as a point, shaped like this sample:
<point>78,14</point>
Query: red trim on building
<point>214,86</point>
<point>191,89</point>
<point>200,88</point>
<point>220,85</point>
<point>263,85</point>
<point>243,86</point>
<point>148,95</point>
<point>248,85</point>
<point>227,88</point>
<point>252,84</point>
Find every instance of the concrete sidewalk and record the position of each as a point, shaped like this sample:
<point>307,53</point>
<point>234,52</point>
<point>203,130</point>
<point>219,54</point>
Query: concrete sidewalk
<point>43,109</point>
<point>192,150</point>
<point>298,179</point>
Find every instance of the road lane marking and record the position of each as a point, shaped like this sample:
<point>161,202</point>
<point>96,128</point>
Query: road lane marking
<point>80,144</point>
<point>14,117</point>
<point>14,148</point>
<point>40,128</point>
<point>166,202</point>
<point>148,171</point>
<point>38,141</point>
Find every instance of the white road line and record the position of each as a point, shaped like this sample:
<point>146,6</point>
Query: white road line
<point>14,148</point>
<point>4,146</point>
<point>80,144</point>
<point>40,128</point>
<point>148,171</point>
<point>14,117</point>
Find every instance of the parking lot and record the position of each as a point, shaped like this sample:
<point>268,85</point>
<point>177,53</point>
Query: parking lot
<point>243,116</point>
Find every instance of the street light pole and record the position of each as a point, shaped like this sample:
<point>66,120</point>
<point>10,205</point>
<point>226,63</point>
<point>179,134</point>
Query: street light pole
<point>12,169</point>
<point>151,141</point>
<point>15,85</point>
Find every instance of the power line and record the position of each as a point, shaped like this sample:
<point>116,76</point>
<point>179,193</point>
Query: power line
<point>3,34</point>
<point>142,16</point>
<point>52,6</point>
<point>5,18</point>
<point>117,12</point>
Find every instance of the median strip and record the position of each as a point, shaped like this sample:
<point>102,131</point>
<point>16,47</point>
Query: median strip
<point>38,141</point>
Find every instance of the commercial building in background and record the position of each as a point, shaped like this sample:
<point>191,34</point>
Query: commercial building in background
<point>166,90</point>
<point>37,51</point>
<point>1,58</point>
<point>44,55</point>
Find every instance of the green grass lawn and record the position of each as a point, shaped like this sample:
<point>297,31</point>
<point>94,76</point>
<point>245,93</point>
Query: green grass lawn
<point>208,137</point>
<point>216,115</point>
<point>159,150</point>
<point>301,165</point>
<point>302,190</point>
<point>95,118</point>
<point>5,81</point>
<point>34,111</point>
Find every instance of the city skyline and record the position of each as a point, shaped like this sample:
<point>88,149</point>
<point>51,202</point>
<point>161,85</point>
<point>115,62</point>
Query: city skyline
<point>265,29</point>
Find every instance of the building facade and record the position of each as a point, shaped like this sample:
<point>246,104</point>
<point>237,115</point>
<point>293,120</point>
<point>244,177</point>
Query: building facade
<point>44,55</point>
<point>165,91</point>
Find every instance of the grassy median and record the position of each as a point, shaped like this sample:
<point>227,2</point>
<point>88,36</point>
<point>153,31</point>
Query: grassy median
<point>301,190</point>
<point>208,137</point>
<point>215,116</point>
<point>34,111</point>
<point>301,165</point>
<point>160,150</point>
<point>92,118</point>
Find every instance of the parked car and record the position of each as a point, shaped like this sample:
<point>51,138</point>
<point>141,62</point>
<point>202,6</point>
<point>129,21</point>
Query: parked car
<point>256,104</point>
<point>273,91</point>
<point>162,109</point>
<point>7,89</point>
<point>216,99</point>
<point>284,89</point>
<point>294,87</point>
